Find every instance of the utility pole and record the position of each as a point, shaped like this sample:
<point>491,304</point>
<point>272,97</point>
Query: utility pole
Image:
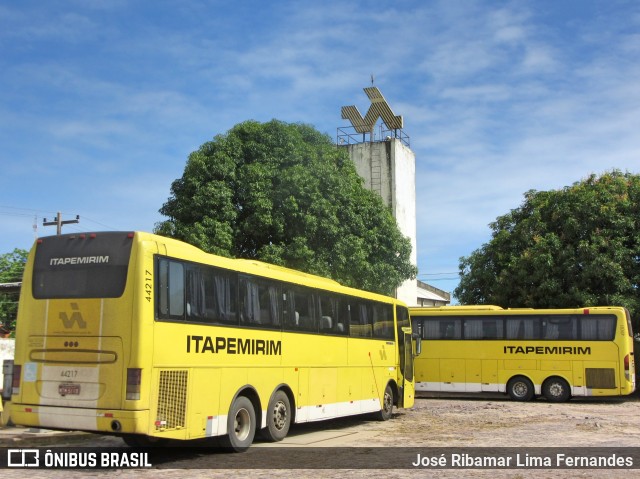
<point>58,222</point>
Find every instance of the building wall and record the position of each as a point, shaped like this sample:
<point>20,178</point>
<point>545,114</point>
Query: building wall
<point>389,169</point>
<point>7,351</point>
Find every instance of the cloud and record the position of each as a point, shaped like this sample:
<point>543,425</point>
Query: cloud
<point>497,98</point>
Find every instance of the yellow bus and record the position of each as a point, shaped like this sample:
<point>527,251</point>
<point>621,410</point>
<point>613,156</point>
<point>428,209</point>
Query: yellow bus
<point>556,353</point>
<point>152,339</point>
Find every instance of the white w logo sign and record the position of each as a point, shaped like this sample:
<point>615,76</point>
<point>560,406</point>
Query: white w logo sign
<point>76,317</point>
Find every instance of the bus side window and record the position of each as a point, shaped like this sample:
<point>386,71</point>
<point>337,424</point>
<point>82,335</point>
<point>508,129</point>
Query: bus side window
<point>299,307</point>
<point>288,311</point>
<point>170,290</point>
<point>597,328</point>
<point>559,327</point>
<point>450,329</point>
<point>260,304</point>
<point>270,298</point>
<point>492,328</point>
<point>176,289</point>
<point>327,313</point>
<point>221,300</point>
<point>344,316</point>
<point>383,321</point>
<point>306,311</point>
<point>431,328</point>
<point>515,328</point>
<point>249,302</point>
<point>163,288</point>
<point>195,293</point>
<point>361,320</point>
<point>480,327</point>
<point>473,328</point>
<point>525,327</point>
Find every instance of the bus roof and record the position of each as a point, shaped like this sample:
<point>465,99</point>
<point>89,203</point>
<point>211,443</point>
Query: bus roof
<point>476,307</point>
<point>284,269</point>
<point>193,253</point>
<point>486,310</point>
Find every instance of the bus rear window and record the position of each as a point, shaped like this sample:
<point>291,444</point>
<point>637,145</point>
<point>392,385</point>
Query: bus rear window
<point>81,265</point>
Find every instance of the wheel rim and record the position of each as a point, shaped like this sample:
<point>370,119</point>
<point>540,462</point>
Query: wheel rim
<point>556,390</point>
<point>242,424</point>
<point>520,389</point>
<point>388,402</point>
<point>280,415</point>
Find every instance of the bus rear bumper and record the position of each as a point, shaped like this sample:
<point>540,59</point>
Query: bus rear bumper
<point>79,419</point>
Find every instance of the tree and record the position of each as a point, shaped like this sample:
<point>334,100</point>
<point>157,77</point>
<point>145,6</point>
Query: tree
<point>11,269</point>
<point>578,246</point>
<point>285,194</point>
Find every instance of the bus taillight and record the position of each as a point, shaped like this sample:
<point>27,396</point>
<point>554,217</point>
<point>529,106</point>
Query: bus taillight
<point>627,366</point>
<point>134,379</point>
<point>15,384</point>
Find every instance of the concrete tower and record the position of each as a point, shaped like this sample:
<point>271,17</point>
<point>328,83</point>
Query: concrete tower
<point>388,167</point>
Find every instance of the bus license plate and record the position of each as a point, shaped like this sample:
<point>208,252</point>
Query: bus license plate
<point>69,389</point>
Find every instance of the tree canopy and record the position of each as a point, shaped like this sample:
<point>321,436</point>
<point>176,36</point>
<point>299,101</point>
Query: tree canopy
<point>578,246</point>
<point>11,269</point>
<point>285,194</point>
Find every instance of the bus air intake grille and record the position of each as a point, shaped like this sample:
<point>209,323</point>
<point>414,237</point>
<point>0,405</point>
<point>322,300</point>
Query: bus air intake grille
<point>172,400</point>
<point>601,378</point>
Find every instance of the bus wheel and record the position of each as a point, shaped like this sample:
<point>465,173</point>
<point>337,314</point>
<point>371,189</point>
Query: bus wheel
<point>556,390</point>
<point>387,404</point>
<point>278,417</point>
<point>520,389</point>
<point>241,425</point>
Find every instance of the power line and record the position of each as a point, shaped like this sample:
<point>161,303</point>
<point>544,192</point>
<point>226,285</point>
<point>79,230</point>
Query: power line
<point>3,213</point>
<point>98,223</point>
<point>29,212</point>
<point>438,274</point>
<point>432,280</point>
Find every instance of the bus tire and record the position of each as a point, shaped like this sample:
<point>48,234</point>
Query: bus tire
<point>387,404</point>
<point>241,425</point>
<point>556,389</point>
<point>278,417</point>
<point>520,388</point>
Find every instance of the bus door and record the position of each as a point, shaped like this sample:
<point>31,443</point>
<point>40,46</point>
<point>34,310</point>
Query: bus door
<point>408,387</point>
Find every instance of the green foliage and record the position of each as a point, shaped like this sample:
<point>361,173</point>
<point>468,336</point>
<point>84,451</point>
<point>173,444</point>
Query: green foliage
<point>284,194</point>
<point>579,246</point>
<point>11,269</point>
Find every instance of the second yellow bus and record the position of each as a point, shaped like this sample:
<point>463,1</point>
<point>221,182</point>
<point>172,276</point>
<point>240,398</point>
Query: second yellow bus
<point>556,353</point>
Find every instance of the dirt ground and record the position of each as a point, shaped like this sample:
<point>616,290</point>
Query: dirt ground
<point>469,421</point>
<point>438,422</point>
<point>464,421</point>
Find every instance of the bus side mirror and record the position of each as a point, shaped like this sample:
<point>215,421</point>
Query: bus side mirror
<point>418,343</point>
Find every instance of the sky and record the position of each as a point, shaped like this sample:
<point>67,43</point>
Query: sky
<point>101,102</point>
